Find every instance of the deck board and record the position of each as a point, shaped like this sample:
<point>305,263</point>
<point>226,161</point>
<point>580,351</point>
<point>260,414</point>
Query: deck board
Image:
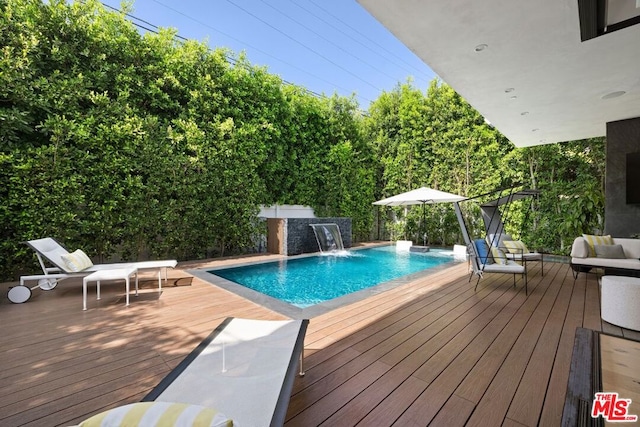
<point>431,351</point>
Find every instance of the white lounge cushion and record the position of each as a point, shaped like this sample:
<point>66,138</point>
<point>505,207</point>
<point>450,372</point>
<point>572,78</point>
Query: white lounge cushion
<point>242,371</point>
<point>159,414</point>
<point>509,267</point>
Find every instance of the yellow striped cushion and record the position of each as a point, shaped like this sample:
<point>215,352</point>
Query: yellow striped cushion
<point>159,414</point>
<point>76,261</point>
<point>592,241</point>
<point>498,255</point>
<point>515,246</point>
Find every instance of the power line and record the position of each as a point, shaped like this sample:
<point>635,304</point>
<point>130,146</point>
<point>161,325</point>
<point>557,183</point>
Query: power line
<point>363,35</point>
<point>326,39</point>
<point>377,52</point>
<point>230,59</point>
<point>301,44</point>
<point>257,49</point>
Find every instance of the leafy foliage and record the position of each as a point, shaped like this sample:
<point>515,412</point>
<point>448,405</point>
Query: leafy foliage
<point>133,146</point>
<point>449,146</point>
<point>138,146</point>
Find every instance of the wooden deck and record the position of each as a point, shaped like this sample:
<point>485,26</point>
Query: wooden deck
<point>429,352</point>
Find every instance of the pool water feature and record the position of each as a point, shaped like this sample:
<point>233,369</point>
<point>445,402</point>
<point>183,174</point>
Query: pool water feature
<point>311,280</point>
<point>328,237</point>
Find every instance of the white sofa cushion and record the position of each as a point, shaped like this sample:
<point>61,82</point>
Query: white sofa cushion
<point>580,248</point>
<point>631,246</point>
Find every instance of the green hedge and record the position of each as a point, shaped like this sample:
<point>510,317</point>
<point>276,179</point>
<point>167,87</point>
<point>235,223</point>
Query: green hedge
<point>140,146</point>
<point>134,146</point>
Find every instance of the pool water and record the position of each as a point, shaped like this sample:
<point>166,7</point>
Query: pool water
<point>307,281</point>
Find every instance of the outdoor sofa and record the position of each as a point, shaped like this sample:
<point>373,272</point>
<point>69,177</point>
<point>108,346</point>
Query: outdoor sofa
<point>616,255</point>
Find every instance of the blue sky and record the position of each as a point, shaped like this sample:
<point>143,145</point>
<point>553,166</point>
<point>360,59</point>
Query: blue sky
<point>326,46</point>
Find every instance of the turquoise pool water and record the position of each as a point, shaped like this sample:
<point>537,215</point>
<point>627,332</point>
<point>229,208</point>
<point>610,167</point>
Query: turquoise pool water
<point>307,281</point>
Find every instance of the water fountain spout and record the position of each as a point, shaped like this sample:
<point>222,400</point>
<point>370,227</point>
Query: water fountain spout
<point>328,237</point>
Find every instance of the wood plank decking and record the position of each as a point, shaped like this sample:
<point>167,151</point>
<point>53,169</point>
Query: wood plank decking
<point>432,351</point>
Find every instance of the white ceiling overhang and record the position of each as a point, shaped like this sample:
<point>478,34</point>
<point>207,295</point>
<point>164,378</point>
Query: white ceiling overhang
<point>535,80</point>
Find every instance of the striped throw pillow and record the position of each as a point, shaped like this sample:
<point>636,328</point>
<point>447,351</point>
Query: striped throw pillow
<point>498,255</point>
<point>592,241</point>
<point>159,414</point>
<point>515,247</point>
<point>76,261</point>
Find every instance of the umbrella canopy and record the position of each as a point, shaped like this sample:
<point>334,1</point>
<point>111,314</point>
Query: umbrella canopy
<point>420,196</point>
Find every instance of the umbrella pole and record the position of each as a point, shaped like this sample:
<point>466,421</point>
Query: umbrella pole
<point>424,230</point>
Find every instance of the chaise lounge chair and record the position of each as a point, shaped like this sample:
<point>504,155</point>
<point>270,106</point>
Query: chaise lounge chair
<point>55,254</point>
<point>245,370</point>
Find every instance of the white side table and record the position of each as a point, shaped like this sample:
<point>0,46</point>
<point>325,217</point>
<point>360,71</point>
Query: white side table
<point>620,301</point>
<point>112,274</point>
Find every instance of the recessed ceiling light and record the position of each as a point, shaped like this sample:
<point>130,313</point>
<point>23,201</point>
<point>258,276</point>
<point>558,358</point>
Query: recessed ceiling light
<point>524,113</point>
<point>614,94</point>
<point>509,89</point>
<point>514,97</point>
<point>535,130</point>
<point>481,47</point>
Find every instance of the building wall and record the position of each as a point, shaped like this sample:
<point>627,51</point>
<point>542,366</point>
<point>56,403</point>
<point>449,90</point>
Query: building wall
<point>301,239</point>
<point>621,219</point>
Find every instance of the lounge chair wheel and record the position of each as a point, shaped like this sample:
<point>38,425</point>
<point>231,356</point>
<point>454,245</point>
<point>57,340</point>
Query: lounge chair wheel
<point>47,284</point>
<point>19,294</point>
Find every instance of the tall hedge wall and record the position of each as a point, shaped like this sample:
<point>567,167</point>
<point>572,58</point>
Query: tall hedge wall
<point>140,146</point>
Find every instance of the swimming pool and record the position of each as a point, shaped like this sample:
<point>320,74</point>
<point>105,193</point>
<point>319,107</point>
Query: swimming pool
<point>307,281</point>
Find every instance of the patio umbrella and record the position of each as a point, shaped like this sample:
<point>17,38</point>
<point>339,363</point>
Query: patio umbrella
<point>420,196</point>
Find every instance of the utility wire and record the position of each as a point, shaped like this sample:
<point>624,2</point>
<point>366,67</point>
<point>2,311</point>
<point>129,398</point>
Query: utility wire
<point>229,58</point>
<point>363,35</point>
<point>327,40</point>
<point>377,52</point>
<point>301,44</point>
<point>257,49</point>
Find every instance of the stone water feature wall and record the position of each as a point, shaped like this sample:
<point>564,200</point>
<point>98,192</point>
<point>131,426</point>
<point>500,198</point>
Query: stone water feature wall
<point>299,237</point>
